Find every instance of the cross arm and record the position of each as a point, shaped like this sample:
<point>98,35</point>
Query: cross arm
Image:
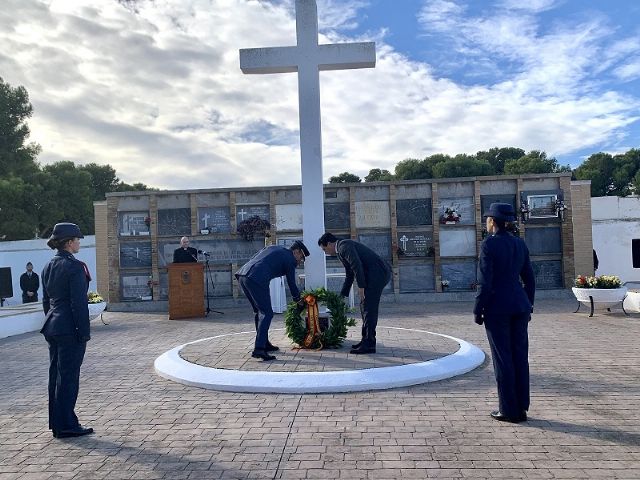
<point>343,56</point>
<point>269,60</point>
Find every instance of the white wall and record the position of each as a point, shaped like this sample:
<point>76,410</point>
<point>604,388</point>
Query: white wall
<point>615,222</point>
<point>17,254</point>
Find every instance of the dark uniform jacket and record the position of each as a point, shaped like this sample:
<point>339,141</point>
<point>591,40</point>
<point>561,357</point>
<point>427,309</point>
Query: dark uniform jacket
<point>64,297</point>
<point>504,261</point>
<point>269,263</point>
<point>180,255</point>
<point>29,283</point>
<point>361,263</point>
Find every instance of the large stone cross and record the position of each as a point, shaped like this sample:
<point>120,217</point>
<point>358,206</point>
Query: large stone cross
<point>308,58</point>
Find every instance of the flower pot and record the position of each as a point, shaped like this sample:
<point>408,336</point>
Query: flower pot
<point>95,309</point>
<point>600,297</point>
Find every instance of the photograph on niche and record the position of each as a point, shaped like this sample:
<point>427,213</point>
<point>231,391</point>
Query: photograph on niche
<point>542,206</point>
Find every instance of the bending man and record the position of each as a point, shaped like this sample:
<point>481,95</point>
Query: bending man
<point>254,277</point>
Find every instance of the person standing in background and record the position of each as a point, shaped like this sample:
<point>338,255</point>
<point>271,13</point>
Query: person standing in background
<point>29,284</point>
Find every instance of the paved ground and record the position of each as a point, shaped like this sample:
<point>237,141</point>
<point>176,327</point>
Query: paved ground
<point>584,419</point>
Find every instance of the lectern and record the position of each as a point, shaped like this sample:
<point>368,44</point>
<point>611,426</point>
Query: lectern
<point>186,290</point>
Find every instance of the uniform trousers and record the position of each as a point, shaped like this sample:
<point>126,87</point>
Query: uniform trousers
<point>509,341</point>
<point>369,309</point>
<point>65,358</point>
<point>260,299</point>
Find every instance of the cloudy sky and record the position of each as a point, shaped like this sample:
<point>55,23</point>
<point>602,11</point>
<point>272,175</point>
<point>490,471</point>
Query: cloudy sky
<point>154,88</point>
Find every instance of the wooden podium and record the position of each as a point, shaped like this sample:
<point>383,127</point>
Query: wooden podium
<point>186,290</point>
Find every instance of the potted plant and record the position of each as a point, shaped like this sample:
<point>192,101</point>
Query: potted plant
<point>604,291</point>
<point>444,284</point>
<point>96,304</point>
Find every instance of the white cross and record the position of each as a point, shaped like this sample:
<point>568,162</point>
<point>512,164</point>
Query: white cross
<point>205,219</point>
<point>242,213</point>
<point>137,252</point>
<point>404,240</point>
<point>308,58</point>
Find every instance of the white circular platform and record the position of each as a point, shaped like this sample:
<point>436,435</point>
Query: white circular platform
<point>171,366</point>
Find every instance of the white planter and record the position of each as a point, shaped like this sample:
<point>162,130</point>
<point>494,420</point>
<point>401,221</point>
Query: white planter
<point>95,309</point>
<point>601,297</point>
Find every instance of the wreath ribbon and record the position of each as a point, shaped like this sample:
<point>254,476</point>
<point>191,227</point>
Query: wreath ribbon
<point>313,322</point>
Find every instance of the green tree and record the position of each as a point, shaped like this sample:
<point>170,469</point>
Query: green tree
<point>18,214</point>
<point>533,162</point>
<point>412,169</point>
<point>497,157</point>
<point>599,169</point>
<point>345,177</point>
<point>377,175</point>
<point>461,166</point>
<point>16,156</point>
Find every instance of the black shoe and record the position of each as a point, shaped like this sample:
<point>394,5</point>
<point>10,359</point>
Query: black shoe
<point>271,348</point>
<point>363,350</point>
<point>503,418</point>
<point>263,355</point>
<point>356,345</point>
<point>79,431</point>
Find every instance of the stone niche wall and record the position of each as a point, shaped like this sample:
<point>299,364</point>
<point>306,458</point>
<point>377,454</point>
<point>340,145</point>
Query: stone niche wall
<point>404,222</point>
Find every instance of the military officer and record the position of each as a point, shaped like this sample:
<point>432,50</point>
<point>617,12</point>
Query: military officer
<point>64,299</point>
<point>504,305</point>
<point>254,277</point>
<point>29,284</point>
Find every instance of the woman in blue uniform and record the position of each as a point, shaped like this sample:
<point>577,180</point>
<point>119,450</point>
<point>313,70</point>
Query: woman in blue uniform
<point>65,281</point>
<point>506,289</point>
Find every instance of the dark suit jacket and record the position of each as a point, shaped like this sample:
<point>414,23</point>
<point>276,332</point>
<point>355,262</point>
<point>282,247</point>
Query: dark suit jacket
<point>64,297</point>
<point>180,255</point>
<point>504,261</point>
<point>361,263</point>
<point>29,284</point>
<point>269,263</point>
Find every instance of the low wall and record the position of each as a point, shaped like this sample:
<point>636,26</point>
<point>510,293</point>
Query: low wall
<point>21,319</point>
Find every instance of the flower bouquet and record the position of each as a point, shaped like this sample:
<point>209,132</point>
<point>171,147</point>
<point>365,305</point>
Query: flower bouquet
<point>96,304</point>
<point>451,216</point>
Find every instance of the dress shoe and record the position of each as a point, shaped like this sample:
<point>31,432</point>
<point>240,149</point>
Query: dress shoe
<point>363,350</point>
<point>356,345</point>
<point>263,355</point>
<point>503,418</point>
<point>74,432</point>
<point>271,348</point>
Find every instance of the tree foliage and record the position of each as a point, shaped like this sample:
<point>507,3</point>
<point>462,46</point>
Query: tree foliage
<point>377,175</point>
<point>345,177</point>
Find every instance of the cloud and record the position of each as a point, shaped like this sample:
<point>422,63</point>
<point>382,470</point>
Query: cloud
<point>154,88</point>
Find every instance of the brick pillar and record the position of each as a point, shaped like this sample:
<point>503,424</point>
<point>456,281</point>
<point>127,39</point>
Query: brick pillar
<point>113,249</point>
<point>394,237</point>
<point>435,215</point>
<point>568,247</point>
<point>582,233</point>
<point>102,253</point>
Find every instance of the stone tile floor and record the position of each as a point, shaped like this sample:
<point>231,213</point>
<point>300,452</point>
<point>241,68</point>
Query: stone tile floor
<point>584,418</point>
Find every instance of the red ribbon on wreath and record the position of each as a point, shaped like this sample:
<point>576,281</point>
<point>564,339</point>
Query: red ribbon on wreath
<point>313,322</point>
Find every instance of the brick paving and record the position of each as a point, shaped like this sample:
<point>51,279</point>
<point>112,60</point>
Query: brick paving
<point>584,418</point>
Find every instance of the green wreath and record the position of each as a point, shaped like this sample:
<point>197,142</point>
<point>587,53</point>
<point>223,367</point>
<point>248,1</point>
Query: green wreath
<point>332,337</point>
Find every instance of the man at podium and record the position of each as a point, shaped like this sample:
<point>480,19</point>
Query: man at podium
<point>254,277</point>
<point>185,253</point>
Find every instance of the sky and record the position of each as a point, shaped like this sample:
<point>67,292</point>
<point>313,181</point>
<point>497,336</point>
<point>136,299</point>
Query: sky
<point>154,88</point>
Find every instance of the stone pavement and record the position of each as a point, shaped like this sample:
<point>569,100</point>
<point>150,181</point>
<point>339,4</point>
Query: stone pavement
<point>584,418</point>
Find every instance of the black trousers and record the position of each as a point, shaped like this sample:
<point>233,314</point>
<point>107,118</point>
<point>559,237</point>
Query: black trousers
<point>260,299</point>
<point>509,341</point>
<point>27,299</point>
<point>369,309</point>
<point>65,358</point>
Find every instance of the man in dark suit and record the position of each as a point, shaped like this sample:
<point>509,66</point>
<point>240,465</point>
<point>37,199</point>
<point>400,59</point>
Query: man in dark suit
<point>29,284</point>
<point>372,274</point>
<point>504,302</point>
<point>185,253</point>
<point>254,278</point>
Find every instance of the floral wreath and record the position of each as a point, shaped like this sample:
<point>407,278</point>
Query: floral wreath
<point>307,334</point>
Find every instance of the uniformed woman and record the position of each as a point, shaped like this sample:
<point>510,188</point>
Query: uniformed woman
<point>506,289</point>
<point>65,282</point>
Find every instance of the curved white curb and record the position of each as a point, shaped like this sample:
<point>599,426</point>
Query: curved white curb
<point>171,366</point>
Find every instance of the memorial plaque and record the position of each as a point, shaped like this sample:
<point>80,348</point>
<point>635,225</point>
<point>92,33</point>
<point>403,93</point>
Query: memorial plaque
<point>230,251</point>
<point>416,278</point>
<point>373,214</point>
<point>461,275</point>
<point>458,242</point>
<point>163,287</point>
<point>542,206</point>
<point>464,207</point>
<point>133,223</point>
<point>378,242</point>
<point>135,287</point>
<point>244,212</point>
<point>219,284</point>
<point>487,200</point>
<point>287,241</point>
<point>165,252</point>
<point>548,274</point>
<point>214,219</point>
<point>414,212</point>
<point>415,244</point>
<point>336,216</point>
<point>174,221</point>
<point>135,254</point>
<point>544,240</point>
<point>289,217</point>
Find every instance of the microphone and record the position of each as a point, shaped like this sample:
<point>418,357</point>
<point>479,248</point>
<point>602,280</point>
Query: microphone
<point>206,254</point>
